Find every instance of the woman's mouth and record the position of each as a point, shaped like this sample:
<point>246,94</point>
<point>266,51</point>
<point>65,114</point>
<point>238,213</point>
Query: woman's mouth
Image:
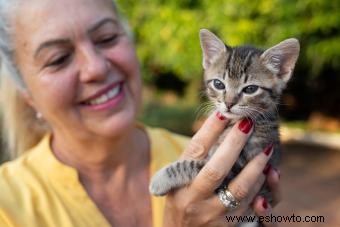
<point>108,98</point>
<point>105,97</point>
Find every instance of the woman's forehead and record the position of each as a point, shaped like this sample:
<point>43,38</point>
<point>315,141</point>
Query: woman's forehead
<point>31,11</point>
<point>38,20</point>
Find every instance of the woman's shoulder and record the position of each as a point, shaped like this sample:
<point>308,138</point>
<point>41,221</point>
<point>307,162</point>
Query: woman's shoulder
<point>15,176</point>
<point>22,179</point>
<point>13,169</point>
<point>18,185</point>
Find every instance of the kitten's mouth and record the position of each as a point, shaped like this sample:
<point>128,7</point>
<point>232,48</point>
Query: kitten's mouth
<point>231,115</point>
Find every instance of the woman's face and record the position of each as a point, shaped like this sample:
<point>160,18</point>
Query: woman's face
<point>80,68</point>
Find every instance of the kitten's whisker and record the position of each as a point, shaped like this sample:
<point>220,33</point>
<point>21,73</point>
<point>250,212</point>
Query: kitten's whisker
<point>202,94</point>
<point>258,113</point>
<point>204,109</point>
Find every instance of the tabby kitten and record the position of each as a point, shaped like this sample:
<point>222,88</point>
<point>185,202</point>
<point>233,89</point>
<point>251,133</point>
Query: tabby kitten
<point>242,82</point>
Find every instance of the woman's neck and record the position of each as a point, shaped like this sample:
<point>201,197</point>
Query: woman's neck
<point>110,172</point>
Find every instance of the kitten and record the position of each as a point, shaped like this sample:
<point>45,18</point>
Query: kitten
<point>242,82</point>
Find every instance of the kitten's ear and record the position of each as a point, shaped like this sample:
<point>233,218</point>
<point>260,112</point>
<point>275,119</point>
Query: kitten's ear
<point>281,59</point>
<point>212,47</point>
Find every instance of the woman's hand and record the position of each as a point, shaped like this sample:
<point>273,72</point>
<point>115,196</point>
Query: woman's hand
<point>197,204</point>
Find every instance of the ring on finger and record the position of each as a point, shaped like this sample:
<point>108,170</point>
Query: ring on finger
<point>227,199</point>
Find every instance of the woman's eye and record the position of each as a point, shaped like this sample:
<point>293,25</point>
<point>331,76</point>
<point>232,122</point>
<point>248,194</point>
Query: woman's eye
<point>59,60</point>
<point>218,84</point>
<point>107,40</point>
<point>251,89</point>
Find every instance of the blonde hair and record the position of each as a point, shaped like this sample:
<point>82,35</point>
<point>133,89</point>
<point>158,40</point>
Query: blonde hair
<point>21,128</point>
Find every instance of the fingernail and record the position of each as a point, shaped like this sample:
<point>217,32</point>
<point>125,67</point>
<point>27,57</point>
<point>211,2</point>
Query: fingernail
<point>220,116</point>
<point>265,204</point>
<point>267,169</point>
<point>268,149</point>
<point>245,125</point>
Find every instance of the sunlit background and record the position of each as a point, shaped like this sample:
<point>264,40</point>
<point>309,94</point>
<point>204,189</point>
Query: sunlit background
<point>166,34</point>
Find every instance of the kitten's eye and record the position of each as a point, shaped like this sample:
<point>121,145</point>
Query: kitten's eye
<point>251,89</point>
<point>218,84</point>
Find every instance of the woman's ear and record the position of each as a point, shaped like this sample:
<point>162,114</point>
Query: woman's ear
<point>29,101</point>
<point>28,98</point>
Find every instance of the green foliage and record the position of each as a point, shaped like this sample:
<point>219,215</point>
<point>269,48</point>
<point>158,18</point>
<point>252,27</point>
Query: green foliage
<point>178,119</point>
<point>166,31</point>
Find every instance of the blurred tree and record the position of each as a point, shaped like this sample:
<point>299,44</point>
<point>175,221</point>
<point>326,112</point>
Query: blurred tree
<point>166,32</point>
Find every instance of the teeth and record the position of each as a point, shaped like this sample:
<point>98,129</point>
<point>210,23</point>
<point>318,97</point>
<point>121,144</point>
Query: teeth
<point>105,97</point>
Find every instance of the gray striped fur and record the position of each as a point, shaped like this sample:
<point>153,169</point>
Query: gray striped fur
<point>237,68</point>
<point>174,175</point>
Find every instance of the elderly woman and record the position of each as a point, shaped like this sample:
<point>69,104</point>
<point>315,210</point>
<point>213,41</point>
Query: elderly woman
<point>71,90</point>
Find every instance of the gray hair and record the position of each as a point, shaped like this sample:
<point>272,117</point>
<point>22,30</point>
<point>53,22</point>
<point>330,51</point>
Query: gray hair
<point>7,64</point>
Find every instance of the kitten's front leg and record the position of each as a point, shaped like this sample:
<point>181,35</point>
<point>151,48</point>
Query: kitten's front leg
<point>174,175</point>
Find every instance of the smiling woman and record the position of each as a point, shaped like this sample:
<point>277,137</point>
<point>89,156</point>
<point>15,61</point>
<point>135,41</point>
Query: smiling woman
<point>55,57</point>
<point>71,92</point>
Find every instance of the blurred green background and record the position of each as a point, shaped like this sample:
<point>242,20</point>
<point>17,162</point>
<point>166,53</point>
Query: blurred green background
<point>166,34</point>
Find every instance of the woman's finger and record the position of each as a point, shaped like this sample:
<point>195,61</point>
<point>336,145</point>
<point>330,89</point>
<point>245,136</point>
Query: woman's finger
<point>251,189</point>
<point>243,183</point>
<point>220,209</point>
<point>263,210</point>
<point>273,182</point>
<point>202,141</point>
<point>216,169</point>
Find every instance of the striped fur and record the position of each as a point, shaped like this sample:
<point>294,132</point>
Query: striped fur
<point>175,175</point>
<point>237,68</point>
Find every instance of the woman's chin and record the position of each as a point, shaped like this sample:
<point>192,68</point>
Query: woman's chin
<point>115,122</point>
<point>117,125</point>
<point>113,126</point>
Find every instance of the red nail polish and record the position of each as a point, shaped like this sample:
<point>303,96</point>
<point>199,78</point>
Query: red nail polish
<point>265,204</point>
<point>245,125</point>
<point>268,149</point>
<point>220,116</point>
<point>267,169</point>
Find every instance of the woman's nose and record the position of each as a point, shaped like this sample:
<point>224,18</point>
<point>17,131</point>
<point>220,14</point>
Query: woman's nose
<point>94,65</point>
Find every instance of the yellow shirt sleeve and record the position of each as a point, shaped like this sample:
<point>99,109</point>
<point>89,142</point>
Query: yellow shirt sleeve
<point>36,190</point>
<point>4,221</point>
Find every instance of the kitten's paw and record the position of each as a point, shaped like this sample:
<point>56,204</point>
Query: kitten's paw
<point>173,176</point>
<point>160,184</point>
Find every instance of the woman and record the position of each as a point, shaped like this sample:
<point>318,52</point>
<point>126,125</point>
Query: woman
<point>73,107</point>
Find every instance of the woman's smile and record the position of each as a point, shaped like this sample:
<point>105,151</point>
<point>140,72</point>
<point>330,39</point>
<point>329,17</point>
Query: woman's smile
<point>87,65</point>
<point>107,98</point>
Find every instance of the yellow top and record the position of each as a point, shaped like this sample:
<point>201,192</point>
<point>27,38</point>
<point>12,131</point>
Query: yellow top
<point>37,190</point>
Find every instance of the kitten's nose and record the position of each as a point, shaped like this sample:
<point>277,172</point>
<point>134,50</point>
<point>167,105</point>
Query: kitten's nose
<point>229,105</point>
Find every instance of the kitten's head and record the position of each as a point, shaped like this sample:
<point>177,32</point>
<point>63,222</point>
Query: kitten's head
<point>245,81</point>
